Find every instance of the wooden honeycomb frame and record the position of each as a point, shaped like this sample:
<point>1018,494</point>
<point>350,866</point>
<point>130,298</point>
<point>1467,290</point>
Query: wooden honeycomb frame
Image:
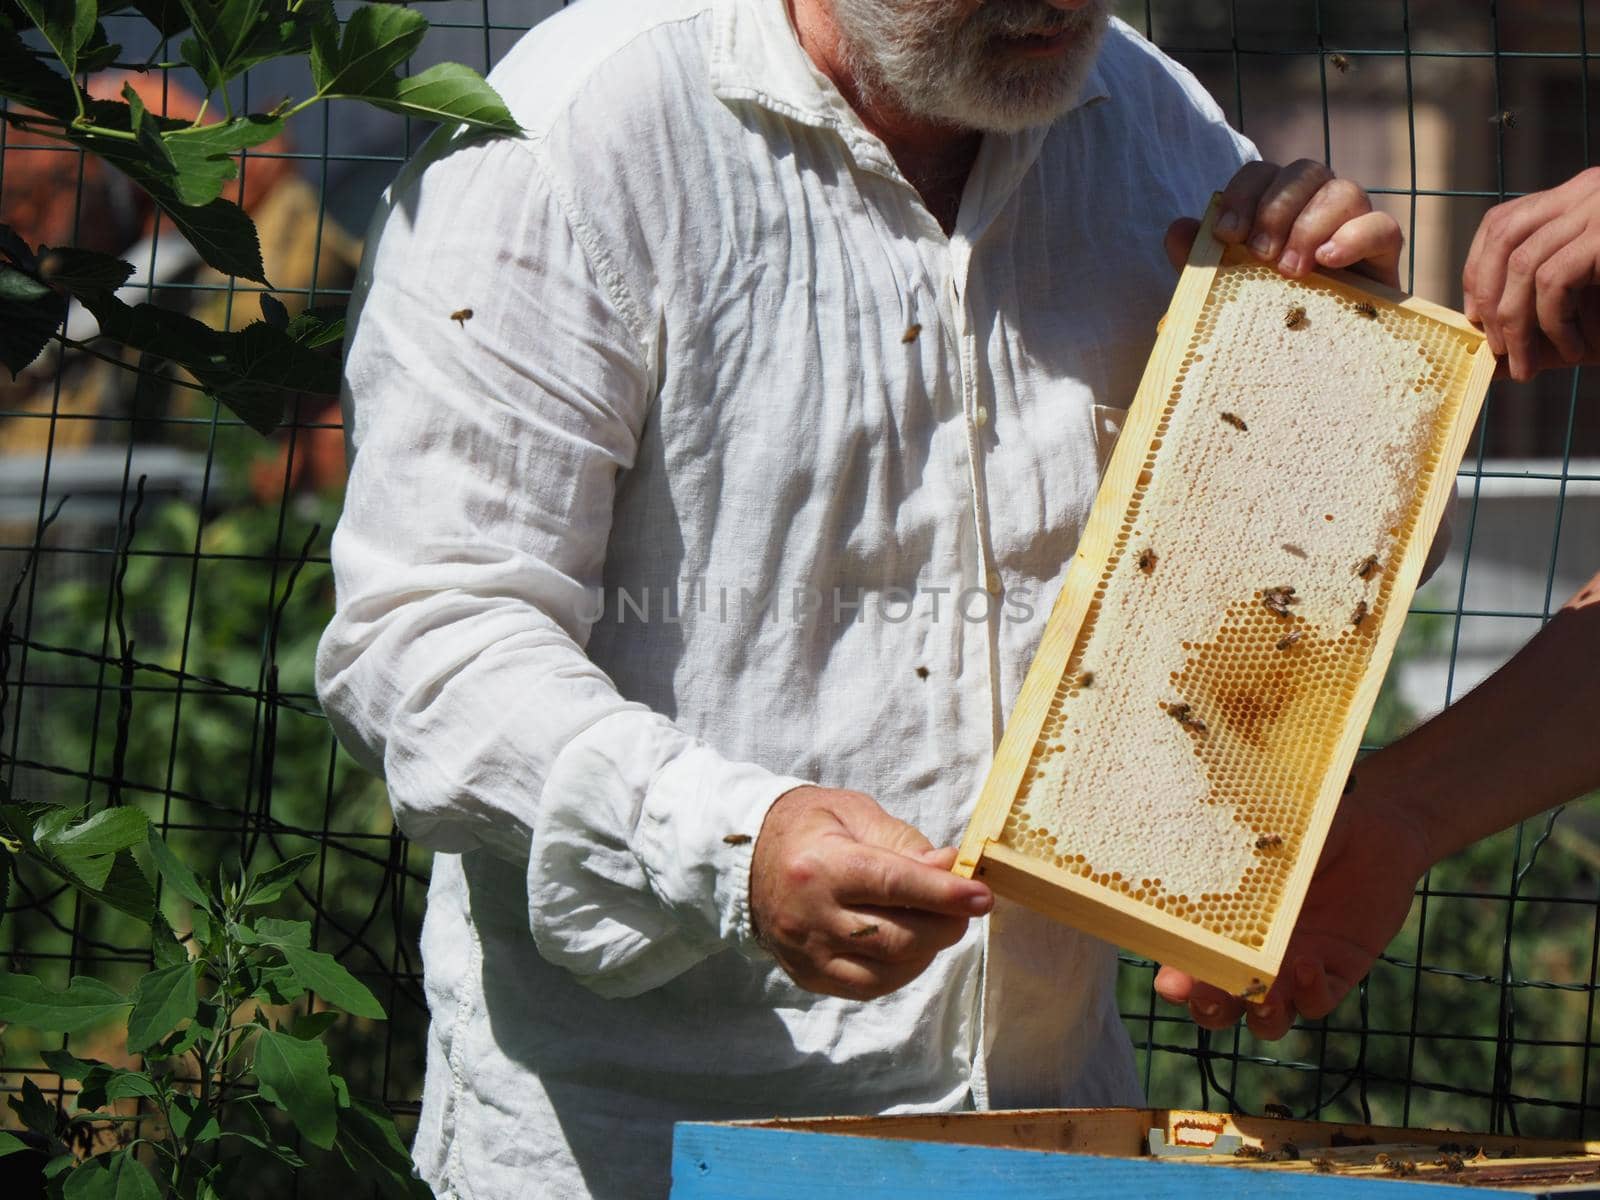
<point>1234,939</point>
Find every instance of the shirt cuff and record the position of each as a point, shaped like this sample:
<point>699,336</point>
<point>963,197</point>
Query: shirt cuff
<point>642,842</point>
<point>696,837</point>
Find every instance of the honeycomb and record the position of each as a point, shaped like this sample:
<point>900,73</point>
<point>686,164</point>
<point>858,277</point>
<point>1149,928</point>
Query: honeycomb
<point>1236,616</point>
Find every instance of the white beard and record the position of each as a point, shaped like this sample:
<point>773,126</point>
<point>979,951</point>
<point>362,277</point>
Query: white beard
<point>929,64</point>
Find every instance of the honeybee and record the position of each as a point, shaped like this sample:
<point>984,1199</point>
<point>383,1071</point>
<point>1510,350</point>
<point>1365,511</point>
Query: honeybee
<point>1288,1151</point>
<point>1086,680</point>
<point>1254,992</point>
<point>1324,1166</point>
<point>1278,599</point>
<point>864,931</point>
<point>1398,1166</point>
<point>1450,1162</point>
<point>1341,63</point>
<point>1236,421</point>
<point>1290,638</point>
<point>913,331</point>
<point>1248,1151</point>
<point>1147,560</point>
<point>737,839</point>
<point>1360,614</point>
<point>1270,841</point>
<point>461,316</point>
<point>1183,714</point>
<point>1367,567</point>
<point>1366,310</point>
<point>1506,118</point>
<point>1295,318</point>
<point>1297,551</point>
<point>922,672</point>
<point>1283,1113</point>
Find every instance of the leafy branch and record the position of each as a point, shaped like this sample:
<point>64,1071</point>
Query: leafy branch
<point>213,1060</point>
<point>48,46</point>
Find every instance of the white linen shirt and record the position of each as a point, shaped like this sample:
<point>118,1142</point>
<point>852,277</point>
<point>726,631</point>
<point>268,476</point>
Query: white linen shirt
<point>740,474</point>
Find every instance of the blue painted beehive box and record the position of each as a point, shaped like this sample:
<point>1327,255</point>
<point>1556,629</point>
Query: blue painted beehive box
<point>1115,1153</point>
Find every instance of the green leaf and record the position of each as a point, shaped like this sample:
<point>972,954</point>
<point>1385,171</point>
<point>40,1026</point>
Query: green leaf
<point>203,926</point>
<point>273,312</point>
<point>447,92</point>
<point>66,24</point>
<point>192,1121</point>
<point>21,288</point>
<point>308,1026</point>
<point>316,328</point>
<point>278,985</point>
<point>118,1176</point>
<point>178,1044</point>
<point>86,849</point>
<point>376,40</point>
<point>371,1130</point>
<point>33,1110</point>
<point>252,371</point>
<point>28,81</point>
<point>10,1143</point>
<point>98,53</point>
<point>177,875</point>
<point>162,1000</point>
<point>275,881</point>
<point>131,1180</point>
<point>202,157</point>
<point>265,1143</point>
<point>68,1066</point>
<point>85,1003</point>
<point>104,1084</point>
<point>83,270</point>
<point>90,853</point>
<point>293,1075</point>
<point>231,36</point>
<point>272,931</point>
<point>126,889</point>
<point>26,326</point>
<point>167,950</point>
<point>220,231</point>
<point>322,974</point>
<point>166,15</point>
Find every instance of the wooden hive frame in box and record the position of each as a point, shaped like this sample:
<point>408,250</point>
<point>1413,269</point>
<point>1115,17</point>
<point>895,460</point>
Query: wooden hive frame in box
<point>1179,746</point>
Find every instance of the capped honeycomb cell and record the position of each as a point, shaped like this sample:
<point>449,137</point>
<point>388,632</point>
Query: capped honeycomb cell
<point>1235,601</point>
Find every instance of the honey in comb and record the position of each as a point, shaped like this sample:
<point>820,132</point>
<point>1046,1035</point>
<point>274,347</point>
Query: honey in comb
<point>1349,419</point>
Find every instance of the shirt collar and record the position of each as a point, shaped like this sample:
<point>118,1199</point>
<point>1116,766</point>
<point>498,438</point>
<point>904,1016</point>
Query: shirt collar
<point>756,56</point>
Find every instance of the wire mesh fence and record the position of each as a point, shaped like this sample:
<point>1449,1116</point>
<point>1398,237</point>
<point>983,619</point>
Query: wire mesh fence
<point>167,569</point>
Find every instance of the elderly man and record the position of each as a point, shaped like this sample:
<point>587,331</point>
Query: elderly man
<point>719,444</point>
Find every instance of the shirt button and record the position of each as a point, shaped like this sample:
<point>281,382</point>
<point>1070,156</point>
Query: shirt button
<point>981,416</point>
<point>993,583</point>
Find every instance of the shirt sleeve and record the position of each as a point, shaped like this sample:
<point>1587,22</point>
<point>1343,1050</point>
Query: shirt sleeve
<point>495,386</point>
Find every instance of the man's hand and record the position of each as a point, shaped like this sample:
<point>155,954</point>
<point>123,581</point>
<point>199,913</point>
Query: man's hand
<point>1358,900</point>
<point>1532,279</point>
<point>851,901</point>
<point>1298,218</point>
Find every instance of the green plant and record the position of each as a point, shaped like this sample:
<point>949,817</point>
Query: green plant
<point>212,1027</point>
<point>48,46</point>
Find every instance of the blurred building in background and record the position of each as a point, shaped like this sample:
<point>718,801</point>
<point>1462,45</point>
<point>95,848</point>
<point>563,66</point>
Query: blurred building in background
<point>1441,109</point>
